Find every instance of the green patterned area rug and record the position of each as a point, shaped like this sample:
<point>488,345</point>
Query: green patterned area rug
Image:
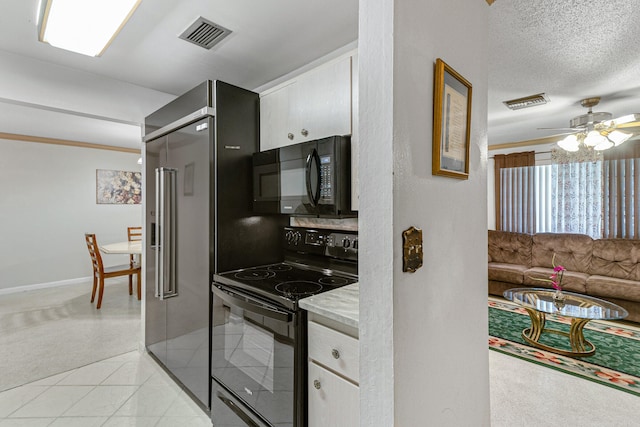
<point>615,364</point>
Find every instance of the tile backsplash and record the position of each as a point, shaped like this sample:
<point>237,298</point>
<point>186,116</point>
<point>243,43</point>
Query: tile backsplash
<point>336,224</point>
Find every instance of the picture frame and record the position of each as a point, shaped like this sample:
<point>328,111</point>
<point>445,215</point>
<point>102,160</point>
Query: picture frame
<point>115,187</point>
<point>451,122</point>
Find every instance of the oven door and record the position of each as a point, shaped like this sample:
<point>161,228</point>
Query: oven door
<point>253,357</point>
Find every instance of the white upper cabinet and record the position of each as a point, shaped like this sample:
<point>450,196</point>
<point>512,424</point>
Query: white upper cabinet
<point>315,105</point>
<point>274,118</point>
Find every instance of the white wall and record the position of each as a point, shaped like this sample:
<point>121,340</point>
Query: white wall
<point>48,202</point>
<point>424,334</point>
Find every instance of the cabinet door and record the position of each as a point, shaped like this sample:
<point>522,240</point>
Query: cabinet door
<point>321,102</point>
<point>333,401</point>
<point>274,118</point>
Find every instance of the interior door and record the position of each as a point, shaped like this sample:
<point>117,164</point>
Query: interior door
<point>178,306</point>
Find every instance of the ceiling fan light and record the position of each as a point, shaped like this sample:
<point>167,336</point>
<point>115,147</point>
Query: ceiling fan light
<point>569,143</point>
<point>594,138</point>
<point>618,137</point>
<point>604,145</point>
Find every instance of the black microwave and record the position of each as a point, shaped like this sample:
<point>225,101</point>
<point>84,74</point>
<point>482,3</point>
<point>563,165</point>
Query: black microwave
<point>308,179</point>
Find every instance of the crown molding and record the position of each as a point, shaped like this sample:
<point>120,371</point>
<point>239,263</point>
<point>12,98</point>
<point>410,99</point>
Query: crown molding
<point>55,141</point>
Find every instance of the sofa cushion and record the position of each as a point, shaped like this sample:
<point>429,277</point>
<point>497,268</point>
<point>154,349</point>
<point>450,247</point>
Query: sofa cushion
<point>573,251</point>
<point>618,258</point>
<point>510,273</point>
<point>573,281</point>
<point>605,286</point>
<point>508,247</point>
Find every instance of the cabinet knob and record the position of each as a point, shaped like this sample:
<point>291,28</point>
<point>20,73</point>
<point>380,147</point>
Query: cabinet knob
<point>304,132</point>
<point>335,353</point>
<point>316,384</point>
<point>290,136</point>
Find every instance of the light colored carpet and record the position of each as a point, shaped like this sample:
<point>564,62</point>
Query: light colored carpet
<point>49,331</point>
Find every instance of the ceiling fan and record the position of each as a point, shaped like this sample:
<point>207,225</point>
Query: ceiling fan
<point>599,130</point>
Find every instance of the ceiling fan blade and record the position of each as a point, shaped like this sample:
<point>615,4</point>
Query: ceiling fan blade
<point>628,125</point>
<point>572,129</point>
<point>563,133</point>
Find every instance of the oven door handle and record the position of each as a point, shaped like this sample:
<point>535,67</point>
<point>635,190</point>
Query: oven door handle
<point>247,303</point>
<point>244,417</point>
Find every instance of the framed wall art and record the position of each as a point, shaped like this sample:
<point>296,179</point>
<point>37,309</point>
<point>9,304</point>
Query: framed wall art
<point>118,187</point>
<point>451,122</point>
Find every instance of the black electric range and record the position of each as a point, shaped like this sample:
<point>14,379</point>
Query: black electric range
<point>287,282</point>
<point>259,334</point>
<point>316,261</point>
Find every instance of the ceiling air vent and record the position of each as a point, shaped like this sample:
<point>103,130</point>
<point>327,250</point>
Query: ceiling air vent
<point>204,33</point>
<point>527,101</point>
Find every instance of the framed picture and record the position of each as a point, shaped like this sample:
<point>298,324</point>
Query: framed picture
<point>451,122</point>
<point>118,187</point>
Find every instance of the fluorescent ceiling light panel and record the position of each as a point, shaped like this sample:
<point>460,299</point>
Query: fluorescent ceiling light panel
<point>84,26</point>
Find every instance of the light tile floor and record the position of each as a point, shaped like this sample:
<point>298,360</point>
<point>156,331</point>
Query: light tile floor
<point>126,390</point>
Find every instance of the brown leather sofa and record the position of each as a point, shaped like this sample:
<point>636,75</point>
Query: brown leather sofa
<point>604,268</point>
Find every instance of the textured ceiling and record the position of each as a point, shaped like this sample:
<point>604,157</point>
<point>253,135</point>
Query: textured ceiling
<point>569,49</point>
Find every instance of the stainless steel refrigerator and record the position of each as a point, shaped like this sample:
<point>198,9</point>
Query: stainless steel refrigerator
<point>199,221</point>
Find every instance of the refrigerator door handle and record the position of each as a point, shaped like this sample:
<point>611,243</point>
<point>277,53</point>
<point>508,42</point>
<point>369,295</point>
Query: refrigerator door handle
<point>159,279</point>
<point>169,286</point>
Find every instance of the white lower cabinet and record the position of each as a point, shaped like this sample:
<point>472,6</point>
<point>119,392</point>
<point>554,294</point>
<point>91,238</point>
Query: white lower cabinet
<point>333,401</point>
<point>333,392</point>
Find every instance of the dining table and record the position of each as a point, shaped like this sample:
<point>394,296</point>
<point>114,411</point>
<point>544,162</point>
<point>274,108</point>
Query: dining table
<point>131,247</point>
<point>128,247</point>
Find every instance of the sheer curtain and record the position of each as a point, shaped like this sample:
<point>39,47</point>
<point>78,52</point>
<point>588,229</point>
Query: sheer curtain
<point>560,198</point>
<point>576,199</point>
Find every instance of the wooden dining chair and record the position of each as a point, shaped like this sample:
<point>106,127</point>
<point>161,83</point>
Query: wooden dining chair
<point>100,272</point>
<point>133,234</point>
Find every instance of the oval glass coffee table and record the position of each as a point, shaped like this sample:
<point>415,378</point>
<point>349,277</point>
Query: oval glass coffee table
<point>580,308</point>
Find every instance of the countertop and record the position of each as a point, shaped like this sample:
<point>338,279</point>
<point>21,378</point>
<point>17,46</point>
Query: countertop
<point>341,305</point>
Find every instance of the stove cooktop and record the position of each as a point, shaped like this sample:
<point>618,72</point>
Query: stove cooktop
<point>285,283</point>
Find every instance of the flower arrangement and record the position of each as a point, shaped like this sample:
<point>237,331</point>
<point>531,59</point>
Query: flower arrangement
<point>556,278</point>
<point>558,274</point>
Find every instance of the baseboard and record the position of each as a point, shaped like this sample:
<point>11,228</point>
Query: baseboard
<point>26,288</point>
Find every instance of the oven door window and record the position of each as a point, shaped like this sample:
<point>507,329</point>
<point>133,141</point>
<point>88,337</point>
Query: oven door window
<point>253,356</point>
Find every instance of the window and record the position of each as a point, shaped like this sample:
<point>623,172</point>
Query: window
<point>600,199</point>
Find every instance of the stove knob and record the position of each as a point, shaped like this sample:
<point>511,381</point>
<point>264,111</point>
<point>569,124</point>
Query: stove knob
<point>346,243</point>
<point>289,237</point>
<point>355,244</point>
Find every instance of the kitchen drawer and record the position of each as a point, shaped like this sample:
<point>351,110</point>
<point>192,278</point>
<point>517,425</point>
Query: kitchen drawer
<point>333,401</point>
<point>335,350</point>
